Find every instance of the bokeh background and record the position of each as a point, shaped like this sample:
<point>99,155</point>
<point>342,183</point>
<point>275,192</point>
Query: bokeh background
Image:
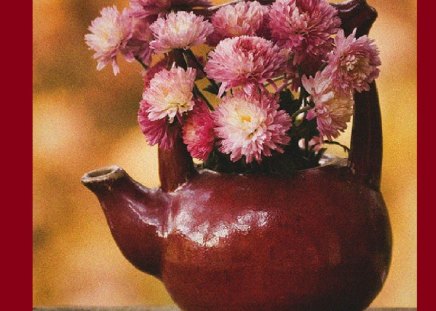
<point>84,119</point>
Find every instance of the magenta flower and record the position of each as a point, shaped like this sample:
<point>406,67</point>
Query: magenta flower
<point>251,126</point>
<point>198,131</point>
<point>333,110</point>
<point>158,132</point>
<point>304,26</point>
<point>149,8</point>
<point>138,45</point>
<point>243,18</point>
<point>109,35</point>
<point>170,93</point>
<point>245,61</point>
<point>180,30</point>
<point>353,63</point>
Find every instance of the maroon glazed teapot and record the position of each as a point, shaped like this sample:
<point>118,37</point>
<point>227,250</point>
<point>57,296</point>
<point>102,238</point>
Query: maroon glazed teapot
<point>317,240</point>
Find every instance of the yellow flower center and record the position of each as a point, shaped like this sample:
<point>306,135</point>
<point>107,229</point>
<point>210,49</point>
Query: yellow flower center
<point>246,118</point>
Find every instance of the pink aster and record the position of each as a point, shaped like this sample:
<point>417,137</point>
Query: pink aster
<point>158,132</point>
<point>149,74</point>
<point>245,61</point>
<point>180,30</point>
<point>251,126</point>
<point>353,63</point>
<point>315,143</point>
<point>198,131</point>
<point>149,8</point>
<point>333,110</point>
<point>109,35</point>
<point>138,44</point>
<point>170,93</point>
<point>304,26</point>
<point>243,18</point>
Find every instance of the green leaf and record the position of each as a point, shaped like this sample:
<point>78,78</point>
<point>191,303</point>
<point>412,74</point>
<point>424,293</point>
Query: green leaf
<point>213,89</point>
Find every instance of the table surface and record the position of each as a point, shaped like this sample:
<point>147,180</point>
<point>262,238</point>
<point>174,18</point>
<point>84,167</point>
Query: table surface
<point>138,308</point>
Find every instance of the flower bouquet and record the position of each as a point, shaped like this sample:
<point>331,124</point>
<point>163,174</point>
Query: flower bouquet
<point>277,79</point>
<point>259,224</point>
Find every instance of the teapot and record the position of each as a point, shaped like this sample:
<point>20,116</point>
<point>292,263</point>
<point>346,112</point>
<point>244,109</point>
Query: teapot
<point>317,240</point>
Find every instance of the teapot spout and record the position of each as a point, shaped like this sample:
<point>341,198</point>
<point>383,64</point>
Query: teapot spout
<point>135,214</point>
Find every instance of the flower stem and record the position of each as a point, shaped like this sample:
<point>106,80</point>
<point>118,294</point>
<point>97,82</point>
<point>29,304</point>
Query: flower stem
<point>198,93</point>
<point>199,66</point>
<point>301,110</point>
<point>180,58</point>
<point>142,63</point>
<point>331,142</point>
<point>283,86</point>
<point>270,81</point>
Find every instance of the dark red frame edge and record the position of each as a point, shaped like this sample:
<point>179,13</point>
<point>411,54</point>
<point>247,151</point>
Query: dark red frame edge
<point>16,155</point>
<point>16,125</point>
<point>426,171</point>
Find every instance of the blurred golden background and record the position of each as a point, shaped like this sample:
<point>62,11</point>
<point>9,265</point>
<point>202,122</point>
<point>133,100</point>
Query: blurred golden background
<point>84,119</point>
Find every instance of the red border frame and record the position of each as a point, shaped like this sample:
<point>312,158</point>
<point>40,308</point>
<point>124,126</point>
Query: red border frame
<point>426,172</point>
<point>16,125</point>
<point>16,129</point>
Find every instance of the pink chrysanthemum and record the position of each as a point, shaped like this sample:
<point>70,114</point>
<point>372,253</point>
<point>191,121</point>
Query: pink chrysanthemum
<point>149,74</point>
<point>243,18</point>
<point>245,61</point>
<point>304,26</point>
<point>251,126</point>
<point>158,132</point>
<point>180,30</point>
<point>353,64</point>
<point>332,110</point>
<point>109,35</point>
<point>198,131</point>
<point>170,93</point>
<point>315,143</point>
<point>149,8</point>
<point>138,45</point>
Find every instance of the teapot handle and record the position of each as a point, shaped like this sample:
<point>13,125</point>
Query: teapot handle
<point>366,147</point>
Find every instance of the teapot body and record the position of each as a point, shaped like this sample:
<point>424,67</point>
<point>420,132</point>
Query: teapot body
<point>316,241</point>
